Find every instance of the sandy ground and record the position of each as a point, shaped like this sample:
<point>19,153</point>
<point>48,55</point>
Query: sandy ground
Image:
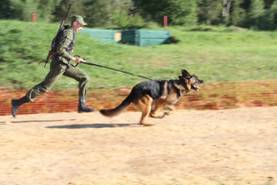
<point>225,147</point>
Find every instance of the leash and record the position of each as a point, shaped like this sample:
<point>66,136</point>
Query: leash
<point>113,69</point>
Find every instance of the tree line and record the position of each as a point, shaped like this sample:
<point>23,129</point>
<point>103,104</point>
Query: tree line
<point>255,14</point>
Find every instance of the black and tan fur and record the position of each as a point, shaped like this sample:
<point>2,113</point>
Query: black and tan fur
<point>154,95</point>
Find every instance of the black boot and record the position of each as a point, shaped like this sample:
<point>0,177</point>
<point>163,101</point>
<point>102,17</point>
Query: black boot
<point>15,103</point>
<point>82,106</point>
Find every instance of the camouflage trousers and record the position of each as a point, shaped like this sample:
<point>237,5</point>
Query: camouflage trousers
<point>58,69</point>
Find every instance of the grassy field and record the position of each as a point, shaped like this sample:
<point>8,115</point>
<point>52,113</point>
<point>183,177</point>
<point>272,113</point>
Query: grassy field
<point>216,55</point>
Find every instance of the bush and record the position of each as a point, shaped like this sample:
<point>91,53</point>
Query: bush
<point>122,20</point>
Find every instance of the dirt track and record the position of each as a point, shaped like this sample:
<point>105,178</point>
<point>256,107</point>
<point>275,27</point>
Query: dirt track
<point>231,147</point>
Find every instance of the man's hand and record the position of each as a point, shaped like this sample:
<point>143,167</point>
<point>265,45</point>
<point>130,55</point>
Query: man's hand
<point>78,59</point>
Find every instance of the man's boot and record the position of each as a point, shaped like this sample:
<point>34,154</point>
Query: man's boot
<point>15,103</point>
<point>82,106</point>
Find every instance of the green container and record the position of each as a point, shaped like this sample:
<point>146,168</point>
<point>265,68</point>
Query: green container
<point>101,34</point>
<point>139,37</point>
<point>128,37</point>
<point>145,37</point>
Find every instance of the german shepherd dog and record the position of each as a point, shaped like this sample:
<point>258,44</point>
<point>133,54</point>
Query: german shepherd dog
<point>153,95</point>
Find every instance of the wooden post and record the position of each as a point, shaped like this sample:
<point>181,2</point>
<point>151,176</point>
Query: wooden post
<point>165,21</point>
<point>34,17</point>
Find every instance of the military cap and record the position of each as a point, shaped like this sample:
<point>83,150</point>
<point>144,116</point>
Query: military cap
<point>78,18</point>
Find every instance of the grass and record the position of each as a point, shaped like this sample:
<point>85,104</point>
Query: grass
<point>216,55</point>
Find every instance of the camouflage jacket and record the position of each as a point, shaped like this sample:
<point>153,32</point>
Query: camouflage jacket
<point>63,46</point>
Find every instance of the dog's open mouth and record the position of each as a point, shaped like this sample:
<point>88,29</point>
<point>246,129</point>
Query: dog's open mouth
<point>195,88</point>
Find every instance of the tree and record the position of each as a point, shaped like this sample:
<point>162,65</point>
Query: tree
<point>61,9</point>
<point>6,11</point>
<point>210,12</point>
<point>124,15</point>
<point>108,12</point>
<point>269,19</point>
<point>46,8</point>
<point>24,8</point>
<point>268,3</point>
<point>238,13</point>
<point>180,12</point>
<point>226,11</point>
<point>256,13</point>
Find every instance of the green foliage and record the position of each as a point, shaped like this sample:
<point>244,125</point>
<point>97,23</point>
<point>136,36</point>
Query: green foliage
<point>180,12</point>
<point>268,20</point>
<point>110,13</point>
<point>256,14</point>
<point>5,9</point>
<point>214,53</point>
<point>99,12</point>
<point>77,7</point>
<point>238,13</point>
<point>24,9</point>
<point>210,12</point>
<point>123,20</point>
<point>46,8</point>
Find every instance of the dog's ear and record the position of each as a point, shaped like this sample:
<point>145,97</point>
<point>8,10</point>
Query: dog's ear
<point>185,79</point>
<point>185,73</point>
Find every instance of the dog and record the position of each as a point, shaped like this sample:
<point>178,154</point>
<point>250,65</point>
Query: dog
<point>154,95</point>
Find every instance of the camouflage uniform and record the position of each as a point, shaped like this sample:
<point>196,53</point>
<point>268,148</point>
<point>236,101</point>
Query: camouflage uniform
<point>60,65</point>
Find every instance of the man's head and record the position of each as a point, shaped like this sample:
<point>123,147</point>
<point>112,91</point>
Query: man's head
<point>77,22</point>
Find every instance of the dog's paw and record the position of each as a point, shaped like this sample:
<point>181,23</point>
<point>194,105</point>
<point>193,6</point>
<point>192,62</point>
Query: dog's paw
<point>146,124</point>
<point>157,116</point>
<point>170,108</point>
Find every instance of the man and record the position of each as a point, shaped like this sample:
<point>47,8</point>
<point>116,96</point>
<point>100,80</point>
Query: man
<point>61,64</point>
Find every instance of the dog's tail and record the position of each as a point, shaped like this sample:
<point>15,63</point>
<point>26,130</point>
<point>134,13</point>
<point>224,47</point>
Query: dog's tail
<point>115,111</point>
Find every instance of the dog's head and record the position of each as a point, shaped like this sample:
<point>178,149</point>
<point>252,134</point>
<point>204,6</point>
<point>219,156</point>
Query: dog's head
<point>190,81</point>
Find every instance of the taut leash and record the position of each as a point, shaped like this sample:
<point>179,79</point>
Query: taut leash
<point>114,69</point>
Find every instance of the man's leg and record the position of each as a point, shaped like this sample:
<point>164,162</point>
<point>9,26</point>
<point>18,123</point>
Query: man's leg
<point>56,70</point>
<point>82,78</point>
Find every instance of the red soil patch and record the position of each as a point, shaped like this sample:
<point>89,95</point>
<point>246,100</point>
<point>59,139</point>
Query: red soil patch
<point>212,96</point>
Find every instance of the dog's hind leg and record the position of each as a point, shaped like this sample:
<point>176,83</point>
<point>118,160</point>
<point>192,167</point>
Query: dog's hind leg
<point>158,106</point>
<point>145,104</point>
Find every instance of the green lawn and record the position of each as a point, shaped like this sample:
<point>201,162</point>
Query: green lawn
<point>221,54</point>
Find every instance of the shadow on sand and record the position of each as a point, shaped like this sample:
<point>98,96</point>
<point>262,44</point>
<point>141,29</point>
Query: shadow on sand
<point>96,125</point>
<point>40,121</point>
